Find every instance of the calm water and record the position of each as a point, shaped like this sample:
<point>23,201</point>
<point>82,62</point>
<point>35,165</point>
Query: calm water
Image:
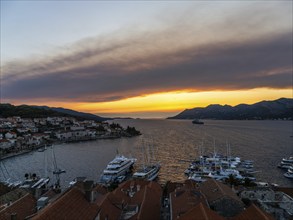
<point>173,143</point>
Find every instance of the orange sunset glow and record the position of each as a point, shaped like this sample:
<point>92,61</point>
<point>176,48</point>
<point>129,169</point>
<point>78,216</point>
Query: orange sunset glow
<point>149,63</point>
<point>168,103</point>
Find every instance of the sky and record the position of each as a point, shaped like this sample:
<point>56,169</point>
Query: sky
<point>144,58</point>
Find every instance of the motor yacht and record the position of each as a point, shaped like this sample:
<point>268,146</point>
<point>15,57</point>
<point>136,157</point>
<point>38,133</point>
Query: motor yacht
<point>119,166</point>
<point>148,172</point>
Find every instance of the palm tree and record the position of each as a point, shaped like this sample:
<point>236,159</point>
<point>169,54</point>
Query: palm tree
<point>232,180</point>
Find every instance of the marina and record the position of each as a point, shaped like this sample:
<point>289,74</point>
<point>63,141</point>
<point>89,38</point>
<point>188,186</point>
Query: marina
<point>220,168</point>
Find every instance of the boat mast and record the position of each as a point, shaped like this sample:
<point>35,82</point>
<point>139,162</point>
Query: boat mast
<point>45,165</point>
<point>214,148</point>
<point>55,171</point>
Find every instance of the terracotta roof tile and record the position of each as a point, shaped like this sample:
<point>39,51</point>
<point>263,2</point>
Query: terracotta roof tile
<point>253,212</point>
<point>109,210</point>
<point>201,212</point>
<point>214,190</point>
<point>146,198</point>
<point>23,207</point>
<point>184,199</point>
<point>72,205</point>
<point>151,204</point>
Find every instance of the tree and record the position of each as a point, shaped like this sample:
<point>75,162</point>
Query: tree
<point>232,180</point>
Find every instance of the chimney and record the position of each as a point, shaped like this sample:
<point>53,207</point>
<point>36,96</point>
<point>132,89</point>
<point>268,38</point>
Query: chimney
<point>88,189</point>
<point>13,216</point>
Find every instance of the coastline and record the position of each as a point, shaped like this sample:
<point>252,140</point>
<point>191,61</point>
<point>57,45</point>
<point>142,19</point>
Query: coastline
<point>15,154</point>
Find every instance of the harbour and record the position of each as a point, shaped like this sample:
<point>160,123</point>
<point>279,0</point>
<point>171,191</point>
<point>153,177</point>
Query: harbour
<point>176,144</point>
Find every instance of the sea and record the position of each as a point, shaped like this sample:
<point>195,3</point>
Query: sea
<point>173,143</point>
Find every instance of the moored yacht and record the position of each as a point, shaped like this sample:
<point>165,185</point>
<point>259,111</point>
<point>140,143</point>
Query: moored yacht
<point>289,174</point>
<point>288,160</point>
<point>286,163</point>
<point>220,167</point>
<point>148,172</point>
<point>119,166</point>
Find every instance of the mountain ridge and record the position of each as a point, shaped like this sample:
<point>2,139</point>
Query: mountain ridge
<point>8,110</point>
<point>277,109</point>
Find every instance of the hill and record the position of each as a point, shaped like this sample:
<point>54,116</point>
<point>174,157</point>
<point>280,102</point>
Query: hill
<point>27,111</point>
<point>278,109</point>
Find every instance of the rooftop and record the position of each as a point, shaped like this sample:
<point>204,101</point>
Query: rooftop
<point>214,190</point>
<point>185,198</point>
<point>72,205</point>
<point>253,212</point>
<point>201,212</point>
<point>23,207</point>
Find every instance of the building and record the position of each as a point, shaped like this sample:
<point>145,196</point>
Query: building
<point>5,144</point>
<point>75,204</point>
<point>19,209</point>
<point>201,212</point>
<point>133,199</point>
<point>10,135</point>
<point>183,199</point>
<point>187,203</point>
<point>253,212</point>
<point>278,203</point>
<point>221,198</point>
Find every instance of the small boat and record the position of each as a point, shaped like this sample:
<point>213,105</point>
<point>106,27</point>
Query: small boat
<point>197,121</point>
<point>197,178</point>
<point>120,179</point>
<point>42,149</point>
<point>59,171</point>
<point>286,163</point>
<point>288,175</point>
<point>287,160</point>
<point>40,183</point>
<point>148,172</point>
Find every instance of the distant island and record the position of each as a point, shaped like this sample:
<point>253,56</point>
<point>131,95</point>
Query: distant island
<point>278,109</point>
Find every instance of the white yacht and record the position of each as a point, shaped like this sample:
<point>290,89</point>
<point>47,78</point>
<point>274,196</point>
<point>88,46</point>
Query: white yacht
<point>148,172</point>
<point>289,174</point>
<point>197,178</point>
<point>288,160</point>
<point>286,163</point>
<point>119,166</point>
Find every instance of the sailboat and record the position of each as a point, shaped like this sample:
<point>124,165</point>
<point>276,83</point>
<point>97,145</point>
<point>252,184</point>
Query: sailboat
<point>147,172</point>
<point>32,181</point>
<point>57,171</point>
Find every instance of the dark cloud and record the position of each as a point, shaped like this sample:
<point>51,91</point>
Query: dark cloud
<point>221,56</point>
<point>226,67</point>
